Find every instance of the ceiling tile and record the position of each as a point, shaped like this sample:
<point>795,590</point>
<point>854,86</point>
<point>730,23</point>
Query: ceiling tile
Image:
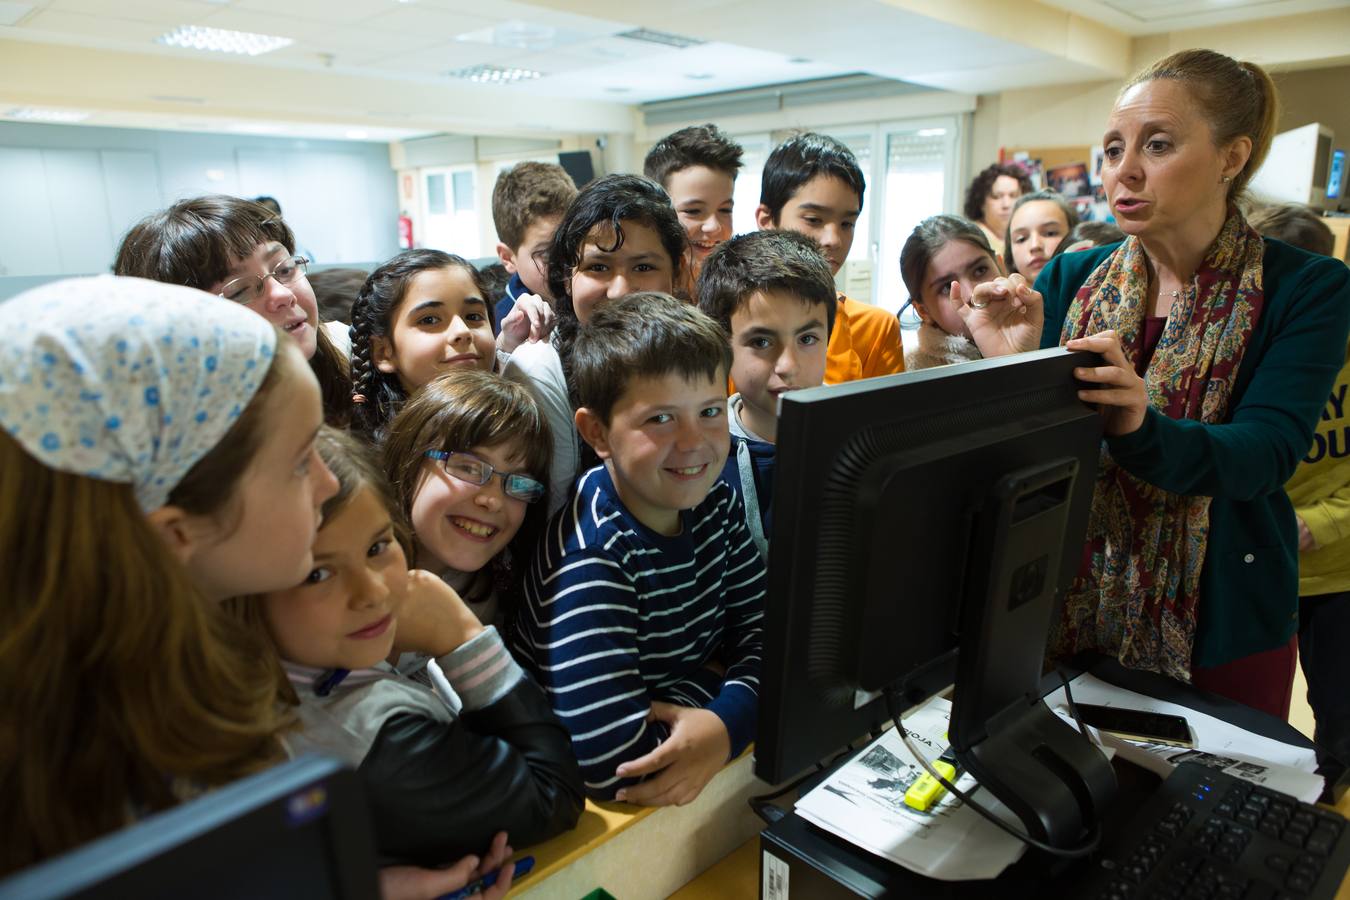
<point>73,24</point>
<point>443,57</point>
<point>360,43</point>
<point>295,28</point>
<point>11,13</point>
<point>408,19</point>
<point>510,9</point>
<point>320,12</point>
<point>170,13</point>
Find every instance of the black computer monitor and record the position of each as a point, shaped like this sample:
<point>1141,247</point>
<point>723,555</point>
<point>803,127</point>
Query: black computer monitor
<point>298,830</point>
<point>925,527</point>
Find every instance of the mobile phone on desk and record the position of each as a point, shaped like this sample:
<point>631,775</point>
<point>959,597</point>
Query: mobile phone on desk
<point>522,868</point>
<point>1137,725</point>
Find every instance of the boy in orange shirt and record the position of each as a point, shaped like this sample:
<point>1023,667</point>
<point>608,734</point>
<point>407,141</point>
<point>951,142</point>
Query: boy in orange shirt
<point>813,184</point>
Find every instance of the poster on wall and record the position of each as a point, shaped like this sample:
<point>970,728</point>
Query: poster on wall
<point>1071,180</point>
<point>1034,169</point>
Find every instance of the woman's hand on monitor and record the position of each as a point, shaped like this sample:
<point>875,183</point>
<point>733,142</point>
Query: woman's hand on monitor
<point>1003,316</point>
<point>1120,393</point>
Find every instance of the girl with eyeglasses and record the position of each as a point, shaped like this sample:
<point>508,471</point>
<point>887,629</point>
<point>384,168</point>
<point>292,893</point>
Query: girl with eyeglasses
<point>469,459</point>
<point>454,765</point>
<point>242,251</point>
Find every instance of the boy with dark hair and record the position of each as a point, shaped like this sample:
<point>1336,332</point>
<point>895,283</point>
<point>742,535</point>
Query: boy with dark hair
<point>644,602</point>
<point>528,202</point>
<point>813,184</point>
<point>773,293</point>
<point>698,166</point>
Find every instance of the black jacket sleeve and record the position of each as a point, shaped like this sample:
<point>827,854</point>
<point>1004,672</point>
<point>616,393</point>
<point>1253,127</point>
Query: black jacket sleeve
<point>439,792</point>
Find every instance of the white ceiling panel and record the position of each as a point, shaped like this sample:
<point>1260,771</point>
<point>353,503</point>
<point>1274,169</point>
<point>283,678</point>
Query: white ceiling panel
<point>441,58</point>
<point>61,23</point>
<point>166,12</point>
<point>320,12</point>
<point>260,22</point>
<point>410,19</point>
<point>704,69</point>
<point>1160,16</point>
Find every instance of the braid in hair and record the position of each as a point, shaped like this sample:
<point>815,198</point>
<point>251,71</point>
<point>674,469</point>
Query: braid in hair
<point>377,396</point>
<point>364,418</point>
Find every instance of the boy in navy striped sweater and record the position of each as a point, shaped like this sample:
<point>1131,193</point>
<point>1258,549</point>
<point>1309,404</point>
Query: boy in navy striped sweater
<point>644,602</point>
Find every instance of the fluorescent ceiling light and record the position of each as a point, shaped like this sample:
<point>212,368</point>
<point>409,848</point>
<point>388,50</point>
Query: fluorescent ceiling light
<point>219,40</point>
<point>931,132</point>
<point>35,114</point>
<point>665,38</point>
<point>357,134</point>
<point>494,74</point>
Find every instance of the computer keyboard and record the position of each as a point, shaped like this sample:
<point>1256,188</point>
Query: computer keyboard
<point>1205,834</point>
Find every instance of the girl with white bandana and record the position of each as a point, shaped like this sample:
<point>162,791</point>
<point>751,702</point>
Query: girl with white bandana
<point>156,452</point>
<point>136,418</point>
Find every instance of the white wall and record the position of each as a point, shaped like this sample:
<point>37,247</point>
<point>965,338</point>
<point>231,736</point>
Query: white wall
<point>71,192</point>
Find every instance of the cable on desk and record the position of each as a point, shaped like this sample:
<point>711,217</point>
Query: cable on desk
<point>762,804</point>
<point>1087,848</point>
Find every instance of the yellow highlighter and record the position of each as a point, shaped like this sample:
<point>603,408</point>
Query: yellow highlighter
<point>925,792</point>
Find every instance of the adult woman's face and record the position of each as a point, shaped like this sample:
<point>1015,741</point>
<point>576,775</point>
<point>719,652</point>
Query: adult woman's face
<point>998,203</point>
<point>1161,168</point>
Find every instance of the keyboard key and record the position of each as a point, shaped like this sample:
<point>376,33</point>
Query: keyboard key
<point>1279,863</point>
<point>1259,890</point>
<point>1321,841</point>
<point>1299,883</point>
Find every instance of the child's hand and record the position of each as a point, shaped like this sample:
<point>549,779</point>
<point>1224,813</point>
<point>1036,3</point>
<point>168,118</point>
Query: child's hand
<point>696,750</point>
<point>1306,541</point>
<point>414,883</point>
<point>432,617</point>
<point>531,319</point>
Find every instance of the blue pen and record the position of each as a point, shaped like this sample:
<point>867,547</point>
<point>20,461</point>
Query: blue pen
<point>523,867</point>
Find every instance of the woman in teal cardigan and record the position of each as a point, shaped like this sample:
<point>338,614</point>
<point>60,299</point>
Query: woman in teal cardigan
<point>1220,349</point>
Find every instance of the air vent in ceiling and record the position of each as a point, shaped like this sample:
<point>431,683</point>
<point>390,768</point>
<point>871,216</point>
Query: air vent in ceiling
<point>664,38</point>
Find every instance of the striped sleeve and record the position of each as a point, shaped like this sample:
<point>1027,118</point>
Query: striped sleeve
<point>737,704</point>
<point>480,670</point>
<point>579,627</point>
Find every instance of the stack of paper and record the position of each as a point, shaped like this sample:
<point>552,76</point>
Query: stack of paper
<point>863,801</point>
<point>1251,757</point>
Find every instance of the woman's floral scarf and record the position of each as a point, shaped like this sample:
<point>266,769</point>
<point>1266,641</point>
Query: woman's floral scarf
<point>1137,592</point>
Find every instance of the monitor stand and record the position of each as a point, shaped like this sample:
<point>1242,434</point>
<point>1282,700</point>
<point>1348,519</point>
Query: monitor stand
<point>1055,780</point>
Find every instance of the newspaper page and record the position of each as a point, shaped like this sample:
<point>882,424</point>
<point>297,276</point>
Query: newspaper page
<point>863,801</point>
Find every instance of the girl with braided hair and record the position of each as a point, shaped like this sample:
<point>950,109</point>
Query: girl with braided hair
<point>421,314</point>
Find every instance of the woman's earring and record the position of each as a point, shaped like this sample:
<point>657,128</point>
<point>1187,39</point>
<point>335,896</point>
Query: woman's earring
<point>1227,178</point>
